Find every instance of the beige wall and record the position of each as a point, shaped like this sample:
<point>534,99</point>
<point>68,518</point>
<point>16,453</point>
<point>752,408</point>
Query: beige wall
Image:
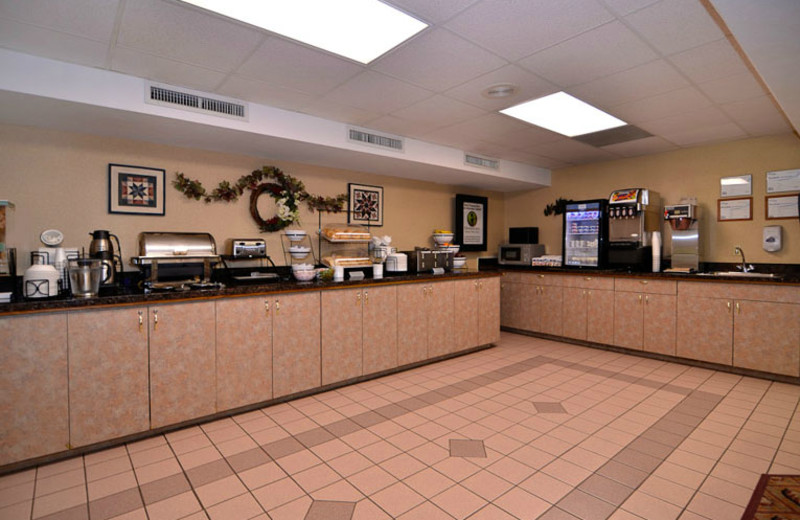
<point>59,180</point>
<point>692,172</point>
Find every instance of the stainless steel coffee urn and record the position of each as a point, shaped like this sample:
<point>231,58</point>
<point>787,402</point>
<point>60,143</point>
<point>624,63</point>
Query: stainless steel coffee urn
<point>684,236</point>
<point>102,248</point>
<point>633,214</point>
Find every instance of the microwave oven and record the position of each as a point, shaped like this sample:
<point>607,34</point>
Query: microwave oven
<point>519,254</point>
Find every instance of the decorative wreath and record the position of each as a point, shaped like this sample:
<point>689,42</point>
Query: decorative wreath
<point>285,189</point>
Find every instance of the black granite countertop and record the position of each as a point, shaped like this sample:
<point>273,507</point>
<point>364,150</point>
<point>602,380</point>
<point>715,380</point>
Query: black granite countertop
<point>110,297</point>
<point>782,274</point>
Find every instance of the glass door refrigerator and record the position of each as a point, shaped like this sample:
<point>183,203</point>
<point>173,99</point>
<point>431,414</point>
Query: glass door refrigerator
<point>585,234</point>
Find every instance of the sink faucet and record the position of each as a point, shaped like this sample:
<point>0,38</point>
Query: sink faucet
<point>744,267</point>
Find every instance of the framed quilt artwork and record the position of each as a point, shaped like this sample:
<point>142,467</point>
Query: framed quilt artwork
<point>365,205</point>
<point>135,190</point>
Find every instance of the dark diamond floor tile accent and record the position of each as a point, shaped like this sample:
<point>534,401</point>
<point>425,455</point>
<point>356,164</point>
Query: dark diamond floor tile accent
<point>330,510</point>
<point>545,407</point>
<point>467,448</point>
<point>208,473</point>
<point>248,459</point>
<point>164,488</point>
<point>116,505</point>
<point>314,437</point>
<point>283,448</point>
<point>78,512</point>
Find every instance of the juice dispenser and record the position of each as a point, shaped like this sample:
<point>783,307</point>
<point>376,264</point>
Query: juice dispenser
<point>685,236</point>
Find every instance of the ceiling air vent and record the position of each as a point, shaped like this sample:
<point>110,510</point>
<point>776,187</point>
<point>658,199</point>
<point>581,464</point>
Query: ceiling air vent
<point>195,102</point>
<point>382,141</point>
<point>483,162</point>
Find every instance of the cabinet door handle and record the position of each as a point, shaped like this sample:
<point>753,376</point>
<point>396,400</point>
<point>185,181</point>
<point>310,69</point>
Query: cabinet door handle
<point>358,298</point>
<point>647,299</point>
<point>738,308</point>
<point>640,298</point>
<point>277,306</point>
<point>729,306</point>
<point>643,282</point>
<point>476,285</point>
<point>480,286</point>
<point>587,278</point>
<point>266,307</point>
<point>541,276</point>
<point>141,320</point>
<point>366,298</point>
<point>584,293</point>
<point>155,319</point>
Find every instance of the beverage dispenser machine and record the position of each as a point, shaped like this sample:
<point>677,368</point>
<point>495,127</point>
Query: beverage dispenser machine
<point>685,236</point>
<point>633,214</point>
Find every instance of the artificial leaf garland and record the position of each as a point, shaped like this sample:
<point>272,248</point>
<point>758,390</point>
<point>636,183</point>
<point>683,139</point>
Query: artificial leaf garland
<point>285,189</point>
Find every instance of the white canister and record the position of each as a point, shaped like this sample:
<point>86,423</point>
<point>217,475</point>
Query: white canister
<point>40,280</point>
<point>338,273</point>
<point>377,271</point>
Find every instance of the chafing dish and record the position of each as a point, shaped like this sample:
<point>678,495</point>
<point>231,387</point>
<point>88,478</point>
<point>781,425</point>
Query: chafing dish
<point>167,256</point>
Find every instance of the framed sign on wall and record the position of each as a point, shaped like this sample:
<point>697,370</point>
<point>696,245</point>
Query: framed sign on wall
<point>135,190</point>
<point>471,219</point>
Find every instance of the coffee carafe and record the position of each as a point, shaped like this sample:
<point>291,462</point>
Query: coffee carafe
<point>102,247</point>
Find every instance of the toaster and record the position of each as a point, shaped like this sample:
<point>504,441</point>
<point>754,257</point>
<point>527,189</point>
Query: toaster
<point>248,248</point>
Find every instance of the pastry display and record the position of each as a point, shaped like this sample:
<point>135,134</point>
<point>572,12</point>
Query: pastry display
<point>346,261</point>
<point>344,232</point>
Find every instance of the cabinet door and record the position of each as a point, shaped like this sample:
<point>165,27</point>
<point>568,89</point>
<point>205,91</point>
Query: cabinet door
<point>182,362</point>
<point>342,332</point>
<point>488,311</point>
<point>244,351</point>
<point>550,310</point>
<point>412,323</point>
<point>380,329</point>
<point>600,316</point>
<point>108,382</point>
<point>628,314</point>
<point>705,329</point>
<point>295,343</point>
<point>466,315</point>
<point>575,311</point>
<point>441,318</point>
<point>660,313</point>
<point>511,309</point>
<point>33,386</point>
<point>766,336</point>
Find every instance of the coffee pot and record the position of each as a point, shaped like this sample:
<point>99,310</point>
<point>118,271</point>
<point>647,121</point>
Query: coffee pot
<point>102,248</point>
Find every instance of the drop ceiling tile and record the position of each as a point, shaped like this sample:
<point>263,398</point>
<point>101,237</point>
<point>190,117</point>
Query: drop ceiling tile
<point>90,19</point>
<point>711,61</point>
<point>52,44</point>
<point>639,147</point>
<point>432,11</point>
<point>594,54</point>
<point>377,93</point>
<point>707,117</point>
<point>623,7</point>
<point>263,93</point>
<point>437,60</point>
<point>757,116</point>
<point>732,88</point>
<point>706,135</point>
<point>395,125</point>
<point>438,111</point>
<point>518,29</point>
<point>491,128</point>
<point>673,26</point>
<point>284,63</point>
<point>533,159</point>
<point>155,68</point>
<point>572,152</point>
<point>686,99</point>
<point>187,34</point>
<point>645,80</point>
<point>530,87</point>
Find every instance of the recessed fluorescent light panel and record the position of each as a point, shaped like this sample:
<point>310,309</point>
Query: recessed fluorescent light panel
<point>564,114</point>
<point>360,30</point>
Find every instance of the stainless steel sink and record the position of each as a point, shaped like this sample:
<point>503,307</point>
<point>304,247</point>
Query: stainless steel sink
<point>740,274</point>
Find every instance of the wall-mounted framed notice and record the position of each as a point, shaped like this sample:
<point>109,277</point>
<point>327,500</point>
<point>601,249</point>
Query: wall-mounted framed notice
<point>739,186</point>
<point>783,180</point>
<point>781,207</point>
<point>735,209</point>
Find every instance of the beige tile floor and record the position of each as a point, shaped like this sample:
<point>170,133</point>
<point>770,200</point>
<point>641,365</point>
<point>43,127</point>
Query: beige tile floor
<point>529,429</point>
